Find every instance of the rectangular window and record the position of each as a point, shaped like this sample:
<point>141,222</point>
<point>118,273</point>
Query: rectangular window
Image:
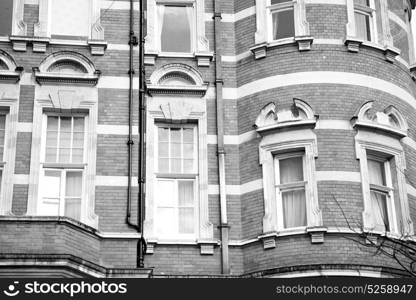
<point>282,19</point>
<point>71,18</point>
<point>381,190</point>
<point>176,182</point>
<point>2,144</point>
<point>364,19</point>
<point>63,167</point>
<point>176,23</point>
<point>6,17</point>
<point>290,189</point>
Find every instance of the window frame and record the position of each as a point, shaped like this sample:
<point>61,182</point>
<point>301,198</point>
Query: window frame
<point>62,167</point>
<point>276,8</point>
<point>158,29</point>
<point>176,177</point>
<point>370,12</point>
<point>280,188</point>
<point>3,159</point>
<point>387,190</point>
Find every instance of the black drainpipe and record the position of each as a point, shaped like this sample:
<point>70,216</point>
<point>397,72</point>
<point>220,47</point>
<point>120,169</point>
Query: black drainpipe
<point>132,43</point>
<point>142,147</point>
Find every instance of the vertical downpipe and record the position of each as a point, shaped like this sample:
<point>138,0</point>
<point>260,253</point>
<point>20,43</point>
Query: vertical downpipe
<point>220,133</point>
<point>142,130</point>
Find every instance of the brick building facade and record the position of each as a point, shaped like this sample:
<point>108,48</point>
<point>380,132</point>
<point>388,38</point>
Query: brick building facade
<point>275,131</point>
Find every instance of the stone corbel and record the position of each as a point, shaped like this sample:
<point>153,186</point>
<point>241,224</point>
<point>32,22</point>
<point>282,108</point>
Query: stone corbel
<point>204,58</point>
<point>390,53</point>
<point>317,234</point>
<point>353,44</point>
<point>207,246</point>
<point>269,240</point>
<point>304,42</point>
<point>259,51</point>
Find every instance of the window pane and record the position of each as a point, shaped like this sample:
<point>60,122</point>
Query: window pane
<point>186,220</point>
<point>53,123</point>
<point>50,185</point>
<point>283,24</point>
<point>176,151</point>
<point>291,170</point>
<point>64,155</point>
<point>70,18</point>
<point>2,135</point>
<point>6,14</point>
<point>78,141</point>
<point>163,150</point>
<point>164,165</point>
<point>362,2</point>
<point>176,28</point>
<point>188,150</point>
<point>166,221</point>
<point>188,166</point>
<point>379,208</point>
<point>77,156</point>
<point>175,135</point>
<point>73,186</point>
<point>79,124</point>
<point>176,166</point>
<point>73,208</point>
<point>50,155</point>
<point>376,172</point>
<point>188,135</point>
<point>163,134</point>
<point>294,208</point>
<point>165,191</point>
<point>362,26</point>
<point>185,193</point>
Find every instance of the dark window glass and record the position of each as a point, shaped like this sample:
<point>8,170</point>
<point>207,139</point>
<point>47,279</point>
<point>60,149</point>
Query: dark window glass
<point>283,24</point>
<point>272,2</point>
<point>176,29</point>
<point>6,15</point>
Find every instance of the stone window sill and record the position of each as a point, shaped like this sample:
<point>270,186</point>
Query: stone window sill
<point>203,59</point>
<point>316,234</point>
<point>304,44</point>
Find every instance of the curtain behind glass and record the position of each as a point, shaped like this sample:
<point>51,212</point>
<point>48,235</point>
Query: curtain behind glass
<point>283,24</point>
<point>362,26</point>
<point>186,206</point>
<point>291,170</point>
<point>175,30</point>
<point>73,193</point>
<point>294,208</point>
<point>380,210</point>
<point>2,135</point>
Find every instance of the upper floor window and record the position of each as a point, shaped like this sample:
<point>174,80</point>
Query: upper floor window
<point>176,25</point>
<point>176,183</point>
<point>281,19</point>
<point>364,13</point>
<point>63,166</point>
<point>6,17</point>
<point>70,18</point>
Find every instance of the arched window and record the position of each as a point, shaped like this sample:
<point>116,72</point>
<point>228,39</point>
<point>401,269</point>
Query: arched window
<point>177,172</point>
<point>288,149</point>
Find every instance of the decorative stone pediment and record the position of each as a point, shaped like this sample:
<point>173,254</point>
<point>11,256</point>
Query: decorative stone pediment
<point>177,79</point>
<point>272,118</point>
<point>389,120</point>
<point>9,72</point>
<point>67,68</point>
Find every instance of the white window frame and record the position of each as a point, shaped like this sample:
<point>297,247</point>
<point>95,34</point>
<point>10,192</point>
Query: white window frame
<point>369,11</point>
<point>387,190</point>
<point>374,142</point>
<point>280,188</point>
<point>193,28</point>
<point>200,42</point>
<point>3,157</point>
<point>63,167</point>
<point>264,32</point>
<point>271,9</point>
<point>43,28</point>
<point>176,177</point>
